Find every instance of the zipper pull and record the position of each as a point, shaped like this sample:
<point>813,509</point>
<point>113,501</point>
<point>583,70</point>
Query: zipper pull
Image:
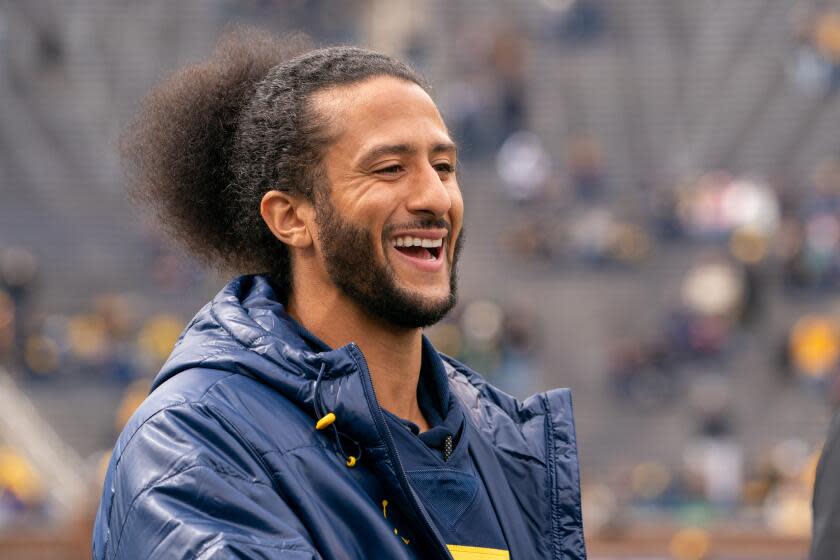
<point>447,448</point>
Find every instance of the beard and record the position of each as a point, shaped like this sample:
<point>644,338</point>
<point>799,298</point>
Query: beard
<point>349,253</point>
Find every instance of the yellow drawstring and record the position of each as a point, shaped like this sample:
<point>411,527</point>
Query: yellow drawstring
<point>329,418</point>
<point>324,422</point>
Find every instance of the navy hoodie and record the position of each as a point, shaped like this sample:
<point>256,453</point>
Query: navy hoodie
<point>223,459</point>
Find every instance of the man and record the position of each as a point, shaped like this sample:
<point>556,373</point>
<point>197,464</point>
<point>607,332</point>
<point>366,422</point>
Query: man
<point>825,542</point>
<point>302,413</point>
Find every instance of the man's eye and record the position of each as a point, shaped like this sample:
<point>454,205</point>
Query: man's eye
<point>390,170</point>
<point>445,167</point>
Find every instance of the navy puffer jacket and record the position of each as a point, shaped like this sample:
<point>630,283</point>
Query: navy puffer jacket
<point>223,460</point>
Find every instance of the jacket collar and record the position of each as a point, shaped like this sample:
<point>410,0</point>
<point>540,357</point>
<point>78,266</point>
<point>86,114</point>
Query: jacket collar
<point>246,329</point>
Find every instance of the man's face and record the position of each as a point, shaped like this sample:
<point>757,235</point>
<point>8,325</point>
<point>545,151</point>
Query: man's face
<point>389,225</point>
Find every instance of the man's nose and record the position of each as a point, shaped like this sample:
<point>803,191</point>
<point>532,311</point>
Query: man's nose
<point>430,195</point>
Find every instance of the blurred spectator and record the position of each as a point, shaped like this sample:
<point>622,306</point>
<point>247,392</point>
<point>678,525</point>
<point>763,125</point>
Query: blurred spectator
<point>527,238</point>
<point>508,59</point>
<point>519,372</point>
<point>650,483</point>
<point>808,70</point>
<point>814,347</point>
<point>714,454</point>
<point>666,222</point>
<point>466,103</point>
<point>827,42</point>
<point>156,339</point>
<point>718,203</point>
<point>485,108</point>
<point>586,167</point>
<point>749,247</point>
<point>18,275</point>
<point>691,543</point>
<point>816,64</point>
<point>503,342</point>
<point>808,243</point>
<point>591,234</point>
<point>481,323</point>
<point>118,319</point>
<point>578,22</point>
<point>133,396</point>
<point>642,373</point>
<point>7,328</point>
<point>20,488</point>
<point>712,288</point>
<point>523,165</point>
<point>601,508</point>
<point>41,355</point>
<point>787,506</point>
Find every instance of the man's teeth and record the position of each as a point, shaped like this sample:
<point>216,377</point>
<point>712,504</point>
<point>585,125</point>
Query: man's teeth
<point>408,241</point>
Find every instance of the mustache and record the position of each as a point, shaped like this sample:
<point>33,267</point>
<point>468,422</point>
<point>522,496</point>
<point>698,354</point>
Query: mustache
<point>422,223</point>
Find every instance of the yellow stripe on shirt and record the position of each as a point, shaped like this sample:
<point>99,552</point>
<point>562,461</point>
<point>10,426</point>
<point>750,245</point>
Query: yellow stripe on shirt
<point>460,552</point>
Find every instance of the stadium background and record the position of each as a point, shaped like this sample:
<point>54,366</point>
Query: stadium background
<point>653,205</point>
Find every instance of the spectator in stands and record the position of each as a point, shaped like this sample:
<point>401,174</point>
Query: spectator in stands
<point>508,61</point>
<point>302,413</point>
<point>21,492</point>
<point>18,275</point>
<point>7,328</point>
<point>581,23</point>
<point>586,167</point>
<point>827,43</point>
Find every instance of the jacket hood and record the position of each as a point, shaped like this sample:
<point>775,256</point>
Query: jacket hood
<point>245,330</point>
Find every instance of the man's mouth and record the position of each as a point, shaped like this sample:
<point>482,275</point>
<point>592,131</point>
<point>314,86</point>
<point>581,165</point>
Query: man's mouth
<point>418,247</point>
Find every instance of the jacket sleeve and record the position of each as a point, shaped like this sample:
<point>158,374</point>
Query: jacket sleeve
<point>185,486</point>
<point>826,538</point>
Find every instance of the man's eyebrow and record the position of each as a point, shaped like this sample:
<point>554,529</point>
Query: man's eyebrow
<point>387,150</point>
<point>445,147</point>
<point>403,150</point>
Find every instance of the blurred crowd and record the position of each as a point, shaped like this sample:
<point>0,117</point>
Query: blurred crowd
<point>109,340</point>
<point>753,240</point>
<point>704,491</point>
<point>112,341</point>
<point>756,240</point>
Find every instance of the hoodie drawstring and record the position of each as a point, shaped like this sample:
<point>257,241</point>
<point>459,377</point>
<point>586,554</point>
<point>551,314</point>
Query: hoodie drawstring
<point>327,419</point>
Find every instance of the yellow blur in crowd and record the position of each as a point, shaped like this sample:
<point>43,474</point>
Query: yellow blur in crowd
<point>18,478</point>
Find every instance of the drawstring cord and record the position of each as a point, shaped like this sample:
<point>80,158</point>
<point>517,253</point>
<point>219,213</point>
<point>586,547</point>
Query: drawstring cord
<point>327,419</point>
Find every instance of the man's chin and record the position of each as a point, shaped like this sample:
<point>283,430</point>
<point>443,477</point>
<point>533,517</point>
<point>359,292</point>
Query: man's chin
<point>420,308</point>
<point>426,297</point>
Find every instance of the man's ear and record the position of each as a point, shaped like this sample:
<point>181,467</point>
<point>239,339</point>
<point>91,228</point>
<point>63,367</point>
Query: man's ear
<point>288,217</point>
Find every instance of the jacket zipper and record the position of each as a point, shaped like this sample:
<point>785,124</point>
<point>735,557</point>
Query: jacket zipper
<point>382,427</point>
<point>447,448</point>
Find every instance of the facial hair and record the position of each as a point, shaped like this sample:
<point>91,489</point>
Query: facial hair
<point>350,257</point>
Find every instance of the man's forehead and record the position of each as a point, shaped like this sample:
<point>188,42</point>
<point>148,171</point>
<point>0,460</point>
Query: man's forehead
<point>344,95</point>
<point>374,99</point>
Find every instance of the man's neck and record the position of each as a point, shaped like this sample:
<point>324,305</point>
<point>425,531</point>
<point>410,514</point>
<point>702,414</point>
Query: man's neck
<point>393,354</point>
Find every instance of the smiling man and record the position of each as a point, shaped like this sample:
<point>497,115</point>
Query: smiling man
<point>302,414</point>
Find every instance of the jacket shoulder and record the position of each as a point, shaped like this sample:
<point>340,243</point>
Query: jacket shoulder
<point>201,425</point>
<point>482,398</point>
<point>537,436</point>
<point>223,401</point>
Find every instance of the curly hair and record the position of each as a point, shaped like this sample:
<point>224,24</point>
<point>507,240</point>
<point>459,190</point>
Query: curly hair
<point>213,138</point>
